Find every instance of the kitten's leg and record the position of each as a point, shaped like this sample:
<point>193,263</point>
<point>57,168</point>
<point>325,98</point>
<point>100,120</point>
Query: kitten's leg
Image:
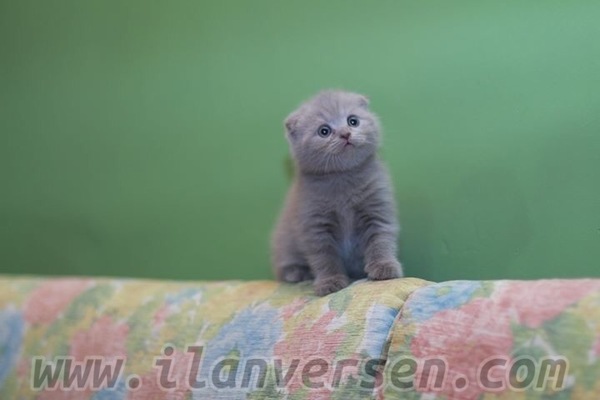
<point>378,236</point>
<point>323,256</point>
<point>381,262</point>
<point>289,265</point>
<point>294,273</point>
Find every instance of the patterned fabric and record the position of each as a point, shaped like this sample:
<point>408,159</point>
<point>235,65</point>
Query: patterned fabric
<point>506,326</point>
<point>50,325</point>
<point>400,339</point>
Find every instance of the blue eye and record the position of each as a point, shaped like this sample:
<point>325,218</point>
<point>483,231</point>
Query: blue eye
<point>353,120</point>
<point>324,130</point>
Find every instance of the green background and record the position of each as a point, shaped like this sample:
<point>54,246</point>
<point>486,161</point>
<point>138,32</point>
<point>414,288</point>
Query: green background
<point>144,138</point>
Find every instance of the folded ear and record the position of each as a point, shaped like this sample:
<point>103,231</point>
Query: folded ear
<point>363,101</point>
<point>291,122</point>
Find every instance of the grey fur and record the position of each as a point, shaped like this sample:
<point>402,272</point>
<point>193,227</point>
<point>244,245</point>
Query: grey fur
<point>339,218</point>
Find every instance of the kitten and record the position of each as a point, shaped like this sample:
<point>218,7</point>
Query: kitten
<point>339,218</point>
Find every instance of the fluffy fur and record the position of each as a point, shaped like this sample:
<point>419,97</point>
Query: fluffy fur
<point>339,221</point>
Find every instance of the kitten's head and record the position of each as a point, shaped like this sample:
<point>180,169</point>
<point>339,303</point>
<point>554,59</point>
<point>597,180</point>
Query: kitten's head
<point>332,132</point>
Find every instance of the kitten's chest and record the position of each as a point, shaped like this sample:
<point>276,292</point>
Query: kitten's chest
<point>347,230</point>
<point>346,216</point>
<point>344,204</point>
<point>349,245</point>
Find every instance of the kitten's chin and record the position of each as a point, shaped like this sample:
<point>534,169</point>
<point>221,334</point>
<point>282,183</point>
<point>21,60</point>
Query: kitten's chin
<point>332,160</point>
<point>355,157</point>
<point>348,147</point>
<point>348,160</point>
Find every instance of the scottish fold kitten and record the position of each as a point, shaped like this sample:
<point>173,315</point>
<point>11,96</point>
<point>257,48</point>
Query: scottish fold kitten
<point>339,218</point>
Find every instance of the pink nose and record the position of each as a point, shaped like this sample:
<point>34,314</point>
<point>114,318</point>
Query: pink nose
<point>345,135</point>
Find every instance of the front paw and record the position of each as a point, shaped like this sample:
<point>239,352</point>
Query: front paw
<point>331,284</point>
<point>295,273</point>
<point>383,270</point>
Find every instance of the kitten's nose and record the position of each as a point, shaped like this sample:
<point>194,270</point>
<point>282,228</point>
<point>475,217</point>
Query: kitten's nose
<point>345,135</point>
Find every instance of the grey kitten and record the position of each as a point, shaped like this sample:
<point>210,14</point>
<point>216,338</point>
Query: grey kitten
<point>339,218</point>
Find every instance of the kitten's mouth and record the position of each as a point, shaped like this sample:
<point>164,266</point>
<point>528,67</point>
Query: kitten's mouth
<point>348,143</point>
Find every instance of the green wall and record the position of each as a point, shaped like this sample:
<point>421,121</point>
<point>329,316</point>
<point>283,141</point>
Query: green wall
<point>144,138</point>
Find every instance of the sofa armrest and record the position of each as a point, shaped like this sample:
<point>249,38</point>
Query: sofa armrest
<point>497,339</point>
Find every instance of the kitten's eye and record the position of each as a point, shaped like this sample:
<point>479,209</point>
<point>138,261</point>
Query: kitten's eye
<point>324,130</point>
<point>353,120</point>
